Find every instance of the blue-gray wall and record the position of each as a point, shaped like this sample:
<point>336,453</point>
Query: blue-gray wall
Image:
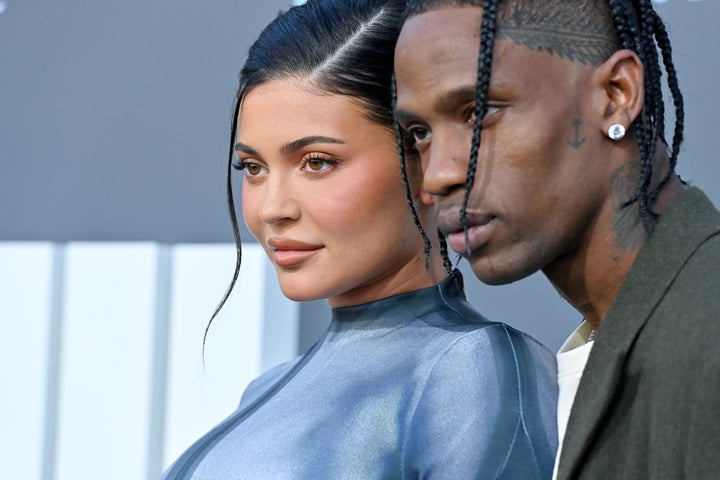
<point>114,121</point>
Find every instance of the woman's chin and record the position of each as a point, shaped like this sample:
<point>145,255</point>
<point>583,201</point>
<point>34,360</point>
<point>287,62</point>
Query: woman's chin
<point>301,295</point>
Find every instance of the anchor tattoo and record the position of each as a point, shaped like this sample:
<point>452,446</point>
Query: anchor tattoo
<point>577,141</point>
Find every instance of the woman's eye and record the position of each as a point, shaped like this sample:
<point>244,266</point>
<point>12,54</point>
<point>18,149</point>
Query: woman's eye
<point>318,164</point>
<point>251,169</point>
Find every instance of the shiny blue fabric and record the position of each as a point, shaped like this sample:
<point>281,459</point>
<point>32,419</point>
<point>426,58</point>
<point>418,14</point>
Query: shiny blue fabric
<point>413,386</point>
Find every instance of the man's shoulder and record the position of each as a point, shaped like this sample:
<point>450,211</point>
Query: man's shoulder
<point>692,212</point>
<point>683,253</point>
<point>685,322</point>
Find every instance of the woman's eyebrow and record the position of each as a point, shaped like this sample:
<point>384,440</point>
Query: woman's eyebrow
<point>241,147</point>
<point>292,146</point>
<point>295,145</point>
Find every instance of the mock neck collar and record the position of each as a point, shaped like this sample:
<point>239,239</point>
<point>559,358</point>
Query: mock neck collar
<point>404,305</point>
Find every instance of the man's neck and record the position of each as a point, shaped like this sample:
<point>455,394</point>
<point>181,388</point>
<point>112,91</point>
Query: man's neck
<point>590,278</point>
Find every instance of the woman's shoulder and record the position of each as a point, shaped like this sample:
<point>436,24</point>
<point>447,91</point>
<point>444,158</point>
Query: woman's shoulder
<point>493,379</point>
<point>492,343</point>
<point>460,324</point>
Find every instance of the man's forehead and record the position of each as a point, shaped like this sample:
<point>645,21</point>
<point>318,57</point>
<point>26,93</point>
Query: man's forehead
<point>446,37</point>
<point>458,19</point>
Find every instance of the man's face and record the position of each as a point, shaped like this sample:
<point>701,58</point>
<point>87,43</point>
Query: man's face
<point>539,186</point>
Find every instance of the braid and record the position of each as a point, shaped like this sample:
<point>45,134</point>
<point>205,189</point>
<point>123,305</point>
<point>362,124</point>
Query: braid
<point>653,85</point>
<point>663,43</point>
<point>648,137</point>
<point>618,15</point>
<point>641,30</point>
<point>406,183</point>
<point>648,21</point>
<point>487,42</point>
<point>444,252</point>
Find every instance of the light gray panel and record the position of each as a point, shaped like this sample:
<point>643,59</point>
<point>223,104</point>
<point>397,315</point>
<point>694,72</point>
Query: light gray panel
<point>692,26</point>
<point>115,116</point>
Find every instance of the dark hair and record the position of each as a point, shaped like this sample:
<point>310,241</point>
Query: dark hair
<point>346,47</point>
<point>607,26</point>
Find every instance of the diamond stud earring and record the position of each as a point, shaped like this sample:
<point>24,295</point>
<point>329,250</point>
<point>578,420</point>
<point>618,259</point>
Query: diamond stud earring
<point>616,132</point>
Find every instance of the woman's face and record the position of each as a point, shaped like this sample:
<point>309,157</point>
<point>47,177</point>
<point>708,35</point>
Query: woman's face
<point>322,193</point>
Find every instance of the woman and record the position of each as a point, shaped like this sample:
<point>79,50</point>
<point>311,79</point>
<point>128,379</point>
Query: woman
<point>409,381</point>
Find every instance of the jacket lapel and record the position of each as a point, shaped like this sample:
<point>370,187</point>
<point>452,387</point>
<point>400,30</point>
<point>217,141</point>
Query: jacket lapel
<point>687,222</point>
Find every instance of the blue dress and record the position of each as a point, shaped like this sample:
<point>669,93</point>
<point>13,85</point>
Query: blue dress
<point>418,385</point>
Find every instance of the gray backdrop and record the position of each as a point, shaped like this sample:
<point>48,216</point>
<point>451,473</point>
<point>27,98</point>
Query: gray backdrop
<point>114,121</point>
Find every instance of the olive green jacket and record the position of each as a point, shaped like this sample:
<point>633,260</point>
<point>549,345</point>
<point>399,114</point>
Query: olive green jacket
<point>648,404</point>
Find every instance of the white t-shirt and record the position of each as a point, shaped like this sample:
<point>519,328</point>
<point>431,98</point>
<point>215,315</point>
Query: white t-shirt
<point>571,360</point>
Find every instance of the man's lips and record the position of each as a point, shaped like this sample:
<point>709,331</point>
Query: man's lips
<point>479,229</point>
<point>287,252</point>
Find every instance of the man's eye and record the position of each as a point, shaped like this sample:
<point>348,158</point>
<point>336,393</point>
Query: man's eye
<point>490,110</point>
<point>470,116</point>
<point>419,134</point>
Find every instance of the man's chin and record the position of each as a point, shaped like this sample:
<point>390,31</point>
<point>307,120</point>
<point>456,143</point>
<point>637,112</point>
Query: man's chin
<point>492,275</point>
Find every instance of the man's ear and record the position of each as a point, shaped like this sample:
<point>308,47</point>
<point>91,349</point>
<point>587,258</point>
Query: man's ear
<point>621,79</point>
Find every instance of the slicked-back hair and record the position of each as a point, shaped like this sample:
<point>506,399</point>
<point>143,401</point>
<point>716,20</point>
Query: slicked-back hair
<point>588,31</point>
<point>343,47</point>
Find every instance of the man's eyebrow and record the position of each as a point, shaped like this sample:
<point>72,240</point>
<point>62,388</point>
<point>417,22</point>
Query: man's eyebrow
<point>402,117</point>
<point>446,102</point>
<point>449,100</point>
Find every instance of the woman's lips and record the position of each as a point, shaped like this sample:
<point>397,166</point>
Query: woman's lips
<point>290,253</point>
<point>291,258</point>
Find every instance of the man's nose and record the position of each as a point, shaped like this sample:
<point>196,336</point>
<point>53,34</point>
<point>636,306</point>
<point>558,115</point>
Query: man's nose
<point>445,168</point>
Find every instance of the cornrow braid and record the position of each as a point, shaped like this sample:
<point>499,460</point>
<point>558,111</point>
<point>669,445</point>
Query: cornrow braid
<point>617,12</point>
<point>646,127</point>
<point>640,29</point>
<point>447,263</point>
<point>663,42</point>
<point>648,22</point>
<point>488,26</point>
<point>624,18</point>
<point>406,183</point>
<point>650,19</point>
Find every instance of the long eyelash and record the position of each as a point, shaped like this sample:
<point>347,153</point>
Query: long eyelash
<point>238,164</point>
<point>323,158</point>
<point>318,156</point>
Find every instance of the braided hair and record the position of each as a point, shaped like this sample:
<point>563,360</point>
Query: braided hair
<point>607,26</point>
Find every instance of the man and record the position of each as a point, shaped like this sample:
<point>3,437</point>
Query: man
<point>547,151</point>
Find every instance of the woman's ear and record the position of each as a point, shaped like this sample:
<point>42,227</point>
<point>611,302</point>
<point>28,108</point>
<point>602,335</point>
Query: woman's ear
<point>621,80</point>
